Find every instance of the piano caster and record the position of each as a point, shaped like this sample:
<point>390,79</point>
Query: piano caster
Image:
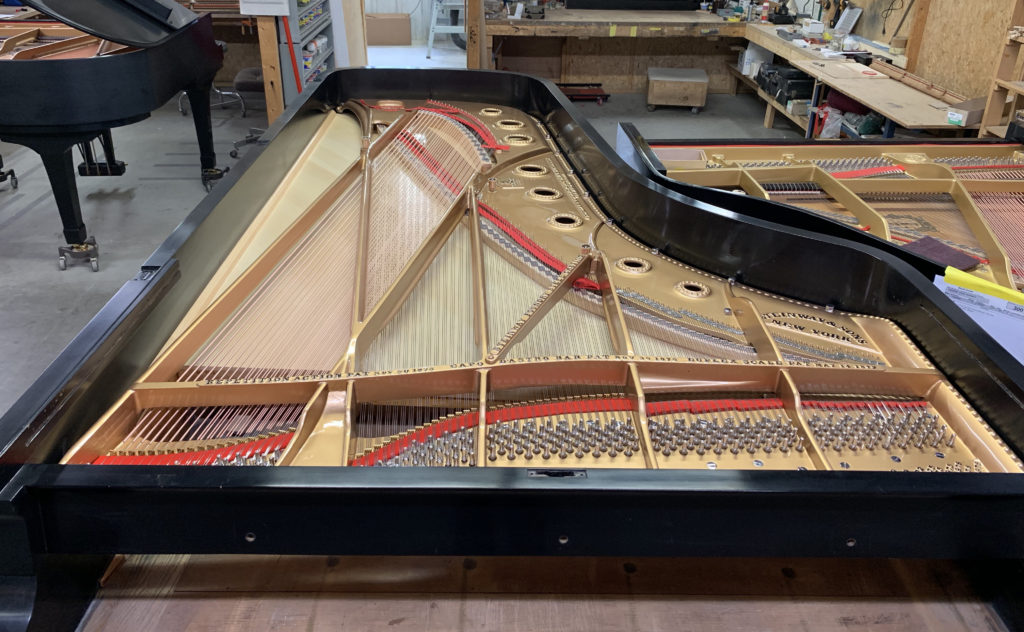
<point>79,252</point>
<point>210,177</point>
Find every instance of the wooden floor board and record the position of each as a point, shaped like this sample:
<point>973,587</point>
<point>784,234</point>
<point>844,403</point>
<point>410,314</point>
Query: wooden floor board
<point>421,594</point>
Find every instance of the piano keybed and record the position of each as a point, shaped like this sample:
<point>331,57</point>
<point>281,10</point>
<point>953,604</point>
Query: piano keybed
<point>969,198</point>
<point>456,298</point>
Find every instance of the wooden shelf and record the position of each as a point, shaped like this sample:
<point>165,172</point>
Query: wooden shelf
<point>997,130</point>
<point>745,80</point>
<point>1016,87</point>
<point>801,121</point>
<point>1007,80</point>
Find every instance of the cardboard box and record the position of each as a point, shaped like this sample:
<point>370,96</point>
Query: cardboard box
<point>811,28</point>
<point>751,59</point>
<point>388,29</point>
<point>798,107</point>
<point>966,113</point>
<point>677,86</point>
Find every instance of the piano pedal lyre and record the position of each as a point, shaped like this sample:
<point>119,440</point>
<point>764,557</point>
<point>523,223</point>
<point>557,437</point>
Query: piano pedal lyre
<point>73,253</point>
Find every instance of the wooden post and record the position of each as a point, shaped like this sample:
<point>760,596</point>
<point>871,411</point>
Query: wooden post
<point>476,35</point>
<point>355,31</point>
<point>916,37</point>
<point>266,26</point>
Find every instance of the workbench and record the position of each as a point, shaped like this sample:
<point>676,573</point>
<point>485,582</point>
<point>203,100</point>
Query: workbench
<point>610,47</point>
<point>615,48</point>
<point>898,103</point>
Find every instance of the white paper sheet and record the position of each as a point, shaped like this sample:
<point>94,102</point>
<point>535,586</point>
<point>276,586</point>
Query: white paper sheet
<point>1000,318</point>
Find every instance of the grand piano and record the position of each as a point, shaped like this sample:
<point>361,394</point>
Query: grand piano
<point>437,314</point>
<point>114,63</point>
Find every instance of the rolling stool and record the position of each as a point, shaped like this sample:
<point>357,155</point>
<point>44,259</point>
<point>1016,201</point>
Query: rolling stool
<point>248,80</point>
<point>8,175</point>
<point>225,97</point>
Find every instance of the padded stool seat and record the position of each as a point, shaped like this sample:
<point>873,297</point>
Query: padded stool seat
<point>249,80</point>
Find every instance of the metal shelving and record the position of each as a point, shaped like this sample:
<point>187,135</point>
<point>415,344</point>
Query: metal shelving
<point>301,37</point>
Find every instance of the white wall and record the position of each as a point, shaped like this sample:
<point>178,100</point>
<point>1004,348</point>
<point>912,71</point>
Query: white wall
<point>418,10</point>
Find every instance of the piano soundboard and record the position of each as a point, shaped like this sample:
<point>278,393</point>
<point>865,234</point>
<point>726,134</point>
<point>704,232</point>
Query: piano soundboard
<point>455,297</point>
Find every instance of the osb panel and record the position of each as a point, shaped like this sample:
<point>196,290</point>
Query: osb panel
<point>620,64</point>
<point>537,56</point>
<point>961,46</point>
<point>872,21</point>
<point>243,51</point>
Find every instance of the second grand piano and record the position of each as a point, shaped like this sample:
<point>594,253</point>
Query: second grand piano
<point>122,59</point>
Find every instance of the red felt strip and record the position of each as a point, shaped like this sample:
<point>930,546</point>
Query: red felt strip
<point>498,415</point>
<point>431,163</point>
<point>201,457</point>
<point>867,173</point>
<point>711,405</point>
<point>520,238</point>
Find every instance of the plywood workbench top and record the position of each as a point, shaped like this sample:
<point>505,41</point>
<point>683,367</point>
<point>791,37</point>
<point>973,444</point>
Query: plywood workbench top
<point>897,101</point>
<point>602,23</point>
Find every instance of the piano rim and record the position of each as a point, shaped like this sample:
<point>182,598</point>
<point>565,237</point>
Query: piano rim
<point>783,213</point>
<point>106,509</point>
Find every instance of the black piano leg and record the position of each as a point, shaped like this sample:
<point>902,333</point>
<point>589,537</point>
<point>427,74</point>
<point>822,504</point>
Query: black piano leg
<point>199,99</point>
<point>61,172</point>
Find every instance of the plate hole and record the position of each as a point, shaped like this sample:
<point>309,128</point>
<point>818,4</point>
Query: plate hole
<point>565,220</point>
<point>491,111</point>
<point>391,104</point>
<point>544,194</point>
<point>518,139</point>
<point>531,171</point>
<point>511,124</point>
<point>692,289</point>
<point>633,265</point>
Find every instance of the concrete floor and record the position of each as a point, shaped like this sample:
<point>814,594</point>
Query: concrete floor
<point>43,308</point>
<point>444,55</point>
<point>130,216</point>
